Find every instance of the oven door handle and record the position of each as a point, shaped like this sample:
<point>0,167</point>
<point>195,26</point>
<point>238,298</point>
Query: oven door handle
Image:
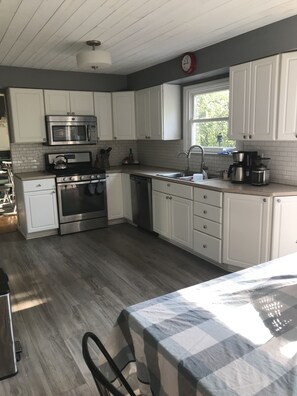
<point>81,182</point>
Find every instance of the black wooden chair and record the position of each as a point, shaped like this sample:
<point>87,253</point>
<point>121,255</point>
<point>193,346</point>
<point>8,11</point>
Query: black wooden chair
<point>104,387</point>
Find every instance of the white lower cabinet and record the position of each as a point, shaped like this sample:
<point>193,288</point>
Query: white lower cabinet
<point>114,191</point>
<point>127,202</point>
<point>246,229</point>
<point>173,214</point>
<point>208,224</point>
<point>284,227</point>
<point>37,207</point>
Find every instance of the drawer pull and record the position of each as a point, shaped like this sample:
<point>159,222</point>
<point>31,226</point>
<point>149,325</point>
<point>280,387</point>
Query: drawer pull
<point>264,200</point>
<point>38,185</point>
<point>205,226</point>
<point>205,196</point>
<point>170,197</point>
<point>205,211</point>
<point>204,246</point>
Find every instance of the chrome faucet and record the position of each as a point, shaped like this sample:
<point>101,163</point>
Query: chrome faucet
<point>202,165</point>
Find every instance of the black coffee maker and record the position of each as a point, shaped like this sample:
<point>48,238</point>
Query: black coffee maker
<point>248,165</point>
<point>241,169</point>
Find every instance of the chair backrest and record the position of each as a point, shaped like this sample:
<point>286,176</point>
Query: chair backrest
<point>104,386</point>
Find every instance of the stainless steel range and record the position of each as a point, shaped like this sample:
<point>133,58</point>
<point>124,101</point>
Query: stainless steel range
<point>81,191</point>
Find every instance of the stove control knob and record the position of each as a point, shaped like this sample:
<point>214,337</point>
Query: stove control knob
<point>65,178</point>
<point>82,178</point>
<point>71,178</point>
<point>98,176</point>
<point>93,176</point>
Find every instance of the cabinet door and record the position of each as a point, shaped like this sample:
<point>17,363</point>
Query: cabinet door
<point>161,214</point>
<point>56,102</point>
<point>81,103</point>
<point>284,229</point>
<point>41,210</point>
<point>27,115</point>
<point>240,88</point>
<point>103,112</point>
<point>287,122</point>
<point>156,112</point>
<point>127,202</point>
<point>246,229</point>
<point>114,196</point>
<point>123,106</point>
<point>181,221</point>
<point>264,91</point>
<point>142,114</point>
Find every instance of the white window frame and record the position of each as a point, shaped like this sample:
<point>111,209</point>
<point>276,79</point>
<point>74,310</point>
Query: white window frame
<point>188,97</point>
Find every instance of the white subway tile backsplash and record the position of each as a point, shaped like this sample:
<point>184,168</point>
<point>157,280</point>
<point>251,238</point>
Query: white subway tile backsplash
<point>283,163</point>
<point>29,157</point>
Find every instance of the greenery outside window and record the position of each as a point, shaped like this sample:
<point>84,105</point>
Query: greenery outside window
<point>206,116</point>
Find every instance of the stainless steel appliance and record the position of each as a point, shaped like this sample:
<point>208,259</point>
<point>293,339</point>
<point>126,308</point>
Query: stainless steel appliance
<point>260,172</point>
<point>141,194</point>
<point>81,193</point>
<point>241,169</point>
<point>64,130</point>
<point>236,170</point>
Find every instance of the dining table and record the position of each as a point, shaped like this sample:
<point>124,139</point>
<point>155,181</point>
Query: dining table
<point>233,335</point>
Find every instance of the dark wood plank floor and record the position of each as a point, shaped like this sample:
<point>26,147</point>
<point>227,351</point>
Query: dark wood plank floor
<point>64,286</point>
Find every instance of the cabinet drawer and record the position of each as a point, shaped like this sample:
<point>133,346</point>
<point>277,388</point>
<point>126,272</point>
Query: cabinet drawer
<point>208,227</point>
<point>180,190</point>
<point>208,212</point>
<point>39,184</point>
<point>208,196</point>
<point>208,246</point>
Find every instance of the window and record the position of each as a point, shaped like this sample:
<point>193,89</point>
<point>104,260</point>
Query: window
<point>206,116</point>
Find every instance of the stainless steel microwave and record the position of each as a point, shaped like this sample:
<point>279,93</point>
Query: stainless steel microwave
<point>64,130</point>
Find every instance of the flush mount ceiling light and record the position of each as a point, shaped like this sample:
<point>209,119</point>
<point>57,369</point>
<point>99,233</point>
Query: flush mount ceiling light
<point>93,59</point>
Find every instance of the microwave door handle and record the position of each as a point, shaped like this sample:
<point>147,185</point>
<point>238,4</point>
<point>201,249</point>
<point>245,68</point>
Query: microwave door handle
<point>88,133</point>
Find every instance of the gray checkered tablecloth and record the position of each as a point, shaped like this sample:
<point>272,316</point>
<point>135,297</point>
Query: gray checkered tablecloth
<point>235,335</point>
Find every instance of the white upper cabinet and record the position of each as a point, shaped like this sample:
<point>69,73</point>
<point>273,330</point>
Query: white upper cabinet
<point>287,122</point>
<point>253,99</point>
<point>68,102</point>
<point>103,112</point>
<point>123,106</point>
<point>158,113</point>
<point>26,110</point>
<point>240,87</point>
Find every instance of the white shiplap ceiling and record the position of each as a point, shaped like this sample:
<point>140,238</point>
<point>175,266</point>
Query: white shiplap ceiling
<point>47,34</point>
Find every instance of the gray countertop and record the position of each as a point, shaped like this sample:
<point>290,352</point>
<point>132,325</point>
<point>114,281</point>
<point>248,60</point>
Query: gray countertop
<point>33,175</point>
<point>271,190</point>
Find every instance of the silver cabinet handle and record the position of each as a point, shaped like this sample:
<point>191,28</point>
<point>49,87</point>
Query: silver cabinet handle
<point>204,246</point>
<point>205,226</point>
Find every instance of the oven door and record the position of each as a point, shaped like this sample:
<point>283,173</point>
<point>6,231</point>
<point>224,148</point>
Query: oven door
<point>81,200</point>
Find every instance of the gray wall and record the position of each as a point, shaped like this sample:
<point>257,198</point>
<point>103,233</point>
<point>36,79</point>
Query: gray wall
<point>53,79</point>
<point>215,60</point>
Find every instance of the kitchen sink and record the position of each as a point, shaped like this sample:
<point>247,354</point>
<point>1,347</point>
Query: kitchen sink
<point>181,176</point>
<point>173,175</point>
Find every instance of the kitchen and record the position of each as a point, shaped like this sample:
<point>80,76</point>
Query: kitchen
<point>212,62</point>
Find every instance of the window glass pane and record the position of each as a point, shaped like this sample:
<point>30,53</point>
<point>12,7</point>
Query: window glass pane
<point>212,134</point>
<point>211,105</point>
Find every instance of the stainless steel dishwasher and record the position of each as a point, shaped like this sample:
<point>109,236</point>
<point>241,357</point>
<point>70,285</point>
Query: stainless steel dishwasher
<point>141,194</point>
